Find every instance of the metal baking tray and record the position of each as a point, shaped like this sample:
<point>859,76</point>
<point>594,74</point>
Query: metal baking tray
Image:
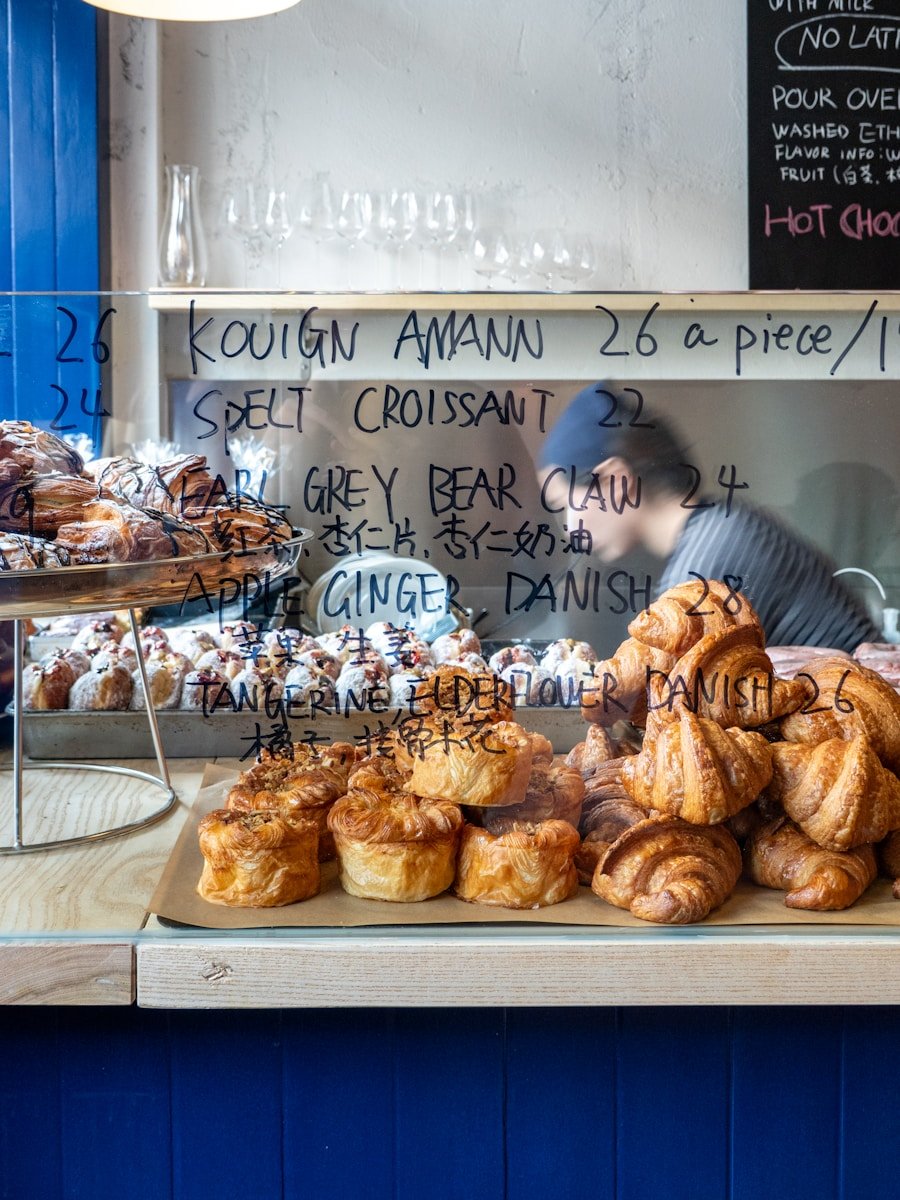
<point>61,590</point>
<point>90,735</point>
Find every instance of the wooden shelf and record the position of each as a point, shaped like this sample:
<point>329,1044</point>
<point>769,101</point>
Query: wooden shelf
<point>233,300</point>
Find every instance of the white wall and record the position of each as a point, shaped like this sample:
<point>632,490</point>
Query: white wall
<point>622,117</point>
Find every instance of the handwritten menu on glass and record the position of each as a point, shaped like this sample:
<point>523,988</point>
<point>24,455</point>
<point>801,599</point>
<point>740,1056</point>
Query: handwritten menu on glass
<point>823,103</point>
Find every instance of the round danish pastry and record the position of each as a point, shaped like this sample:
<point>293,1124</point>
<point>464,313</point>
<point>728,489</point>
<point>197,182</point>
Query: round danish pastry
<point>524,865</point>
<point>257,859</point>
<point>484,769</point>
<point>395,845</point>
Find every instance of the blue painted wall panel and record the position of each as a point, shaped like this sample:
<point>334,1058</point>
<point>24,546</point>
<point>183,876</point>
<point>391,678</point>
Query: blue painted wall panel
<point>338,1083</point>
<point>787,1103</point>
<point>672,1092</point>
<point>115,1128</point>
<point>30,1104</point>
<point>870,1115</point>
<point>227,1125</point>
<point>561,1078</point>
<point>449,1101</point>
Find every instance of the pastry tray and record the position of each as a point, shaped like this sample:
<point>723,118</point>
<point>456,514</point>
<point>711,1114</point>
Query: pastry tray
<point>86,735</point>
<point>102,586</point>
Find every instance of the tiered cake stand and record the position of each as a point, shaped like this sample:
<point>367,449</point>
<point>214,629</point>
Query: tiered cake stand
<point>131,586</point>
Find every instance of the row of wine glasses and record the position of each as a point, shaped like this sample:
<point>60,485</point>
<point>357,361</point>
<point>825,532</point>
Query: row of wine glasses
<point>429,236</point>
<point>552,257</point>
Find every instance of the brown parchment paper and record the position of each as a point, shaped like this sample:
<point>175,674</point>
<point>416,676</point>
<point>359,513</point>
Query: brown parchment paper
<point>176,898</point>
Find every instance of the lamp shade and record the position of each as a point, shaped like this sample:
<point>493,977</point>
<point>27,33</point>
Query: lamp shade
<point>194,10</point>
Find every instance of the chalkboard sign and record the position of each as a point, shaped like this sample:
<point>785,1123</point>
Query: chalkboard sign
<point>823,105</point>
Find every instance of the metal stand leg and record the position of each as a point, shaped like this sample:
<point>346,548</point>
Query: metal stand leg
<point>18,845</point>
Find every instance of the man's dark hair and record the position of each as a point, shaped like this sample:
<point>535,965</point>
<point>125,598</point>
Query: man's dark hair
<point>601,423</point>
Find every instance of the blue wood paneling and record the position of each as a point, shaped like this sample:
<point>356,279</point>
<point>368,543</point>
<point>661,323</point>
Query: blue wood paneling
<point>114,1126</point>
<point>227,1123</point>
<point>673,1086</point>
<point>338,1081</point>
<point>470,1103</point>
<point>449,1103</point>
<point>787,1103</point>
<point>561,1077</point>
<point>30,1104</point>
<point>870,1116</point>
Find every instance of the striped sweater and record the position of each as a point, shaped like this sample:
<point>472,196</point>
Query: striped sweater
<point>788,580</point>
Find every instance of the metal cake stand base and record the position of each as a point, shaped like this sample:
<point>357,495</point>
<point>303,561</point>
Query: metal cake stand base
<point>18,767</point>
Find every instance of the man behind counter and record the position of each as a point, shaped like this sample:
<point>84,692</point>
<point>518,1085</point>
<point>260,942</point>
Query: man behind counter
<point>788,580</point>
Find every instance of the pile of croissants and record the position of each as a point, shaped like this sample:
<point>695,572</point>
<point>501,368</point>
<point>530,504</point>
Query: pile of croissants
<point>57,511</point>
<point>789,781</point>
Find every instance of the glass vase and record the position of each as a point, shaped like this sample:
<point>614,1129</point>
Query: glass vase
<point>182,244</point>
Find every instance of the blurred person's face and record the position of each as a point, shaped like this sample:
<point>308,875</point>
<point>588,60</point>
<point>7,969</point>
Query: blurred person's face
<point>598,518</point>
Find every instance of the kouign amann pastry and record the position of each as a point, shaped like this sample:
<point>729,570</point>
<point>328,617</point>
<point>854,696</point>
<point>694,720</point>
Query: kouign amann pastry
<point>666,870</point>
<point>528,865</point>
<point>780,855</point>
<point>850,699</point>
<point>838,792</point>
<point>307,789</point>
<point>690,767</point>
<point>487,768</point>
<point>257,859</point>
<point>395,845</point>
<point>453,691</point>
<point>553,793</point>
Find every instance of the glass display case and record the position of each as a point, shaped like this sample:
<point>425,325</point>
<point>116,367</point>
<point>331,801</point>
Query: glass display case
<point>412,435</point>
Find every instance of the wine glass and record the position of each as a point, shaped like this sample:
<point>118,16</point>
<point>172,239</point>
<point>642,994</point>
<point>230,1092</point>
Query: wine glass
<point>582,261</point>
<point>278,224</point>
<point>352,222</point>
<point>379,228</point>
<point>404,219</point>
<point>318,218</point>
<point>550,254</point>
<point>491,253</point>
<point>467,223</point>
<point>244,208</point>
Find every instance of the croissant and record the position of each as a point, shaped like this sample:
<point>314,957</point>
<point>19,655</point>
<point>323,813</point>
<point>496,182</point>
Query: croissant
<point>604,793</point>
<point>838,792</point>
<point>553,793</point>
<point>690,767</point>
<point>850,699</point>
<point>606,814</point>
<point>685,613</point>
<point>780,855</point>
<point>18,552</point>
<point>728,677</point>
<point>665,870</point>
<point>889,859</point>
<point>598,747</point>
<point>619,690</point>
<point>240,524</point>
